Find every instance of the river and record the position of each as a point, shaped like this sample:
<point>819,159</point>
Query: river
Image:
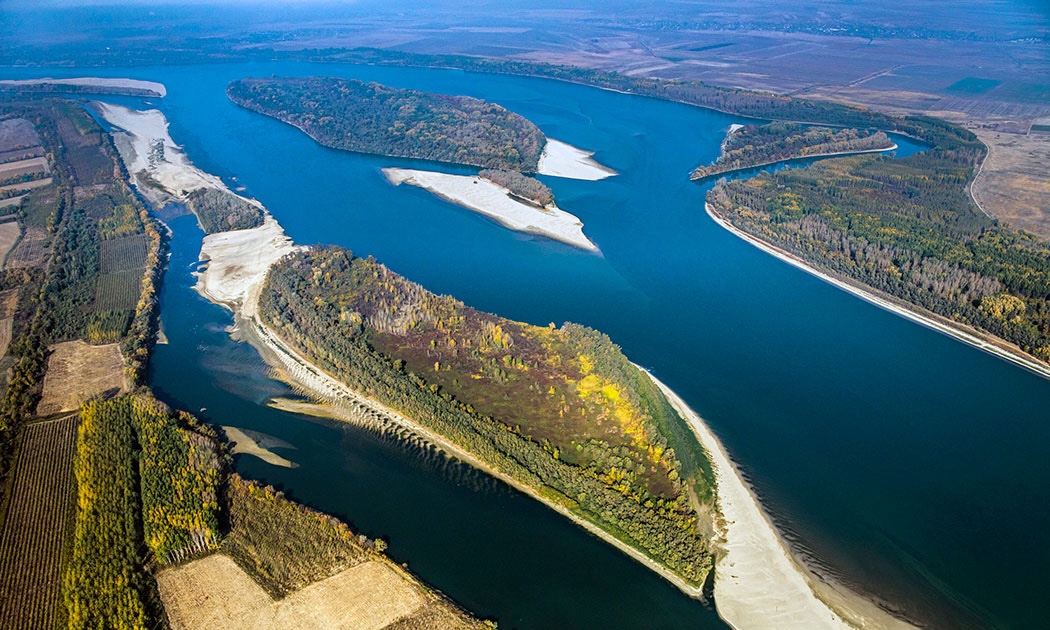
<point>892,457</point>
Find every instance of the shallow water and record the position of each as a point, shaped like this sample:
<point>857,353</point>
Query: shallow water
<point>892,456</point>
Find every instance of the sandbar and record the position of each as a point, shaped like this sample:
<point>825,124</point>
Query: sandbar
<point>496,202</point>
<point>157,89</point>
<point>258,445</point>
<point>564,160</point>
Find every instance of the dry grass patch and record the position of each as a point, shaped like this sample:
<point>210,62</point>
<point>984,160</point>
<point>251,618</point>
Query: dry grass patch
<point>6,329</point>
<point>9,233</point>
<point>31,250</point>
<point>23,167</point>
<point>8,302</point>
<point>39,183</point>
<point>216,593</point>
<point>1014,184</point>
<point>76,372</point>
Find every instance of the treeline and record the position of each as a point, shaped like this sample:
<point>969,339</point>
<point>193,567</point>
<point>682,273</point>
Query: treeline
<point>909,228</point>
<point>222,211</point>
<point>527,188</point>
<point>372,118</point>
<point>559,410</point>
<point>143,483</point>
<point>755,145</point>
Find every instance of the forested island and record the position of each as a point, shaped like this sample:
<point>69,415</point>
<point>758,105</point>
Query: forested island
<point>372,118</point>
<point>558,410</point>
<point>757,145</point>
<point>906,227</point>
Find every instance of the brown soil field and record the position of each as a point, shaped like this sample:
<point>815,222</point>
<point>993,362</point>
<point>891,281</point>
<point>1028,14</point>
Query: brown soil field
<point>9,233</point>
<point>76,371</point>
<point>6,329</point>
<point>40,183</point>
<point>23,167</point>
<point>11,201</point>
<point>37,526</point>
<point>8,302</point>
<point>214,592</point>
<point>1014,184</point>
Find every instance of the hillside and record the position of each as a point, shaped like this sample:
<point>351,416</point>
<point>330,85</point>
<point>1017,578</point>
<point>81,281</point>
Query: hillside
<point>560,410</point>
<point>372,118</point>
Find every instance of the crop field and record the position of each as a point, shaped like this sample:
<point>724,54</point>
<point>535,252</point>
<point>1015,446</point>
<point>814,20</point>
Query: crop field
<point>38,183</point>
<point>10,202</point>
<point>76,372</point>
<point>118,291</point>
<point>31,251</point>
<point>37,526</point>
<point>123,254</point>
<point>17,133</point>
<point>214,592</point>
<point>8,302</point>
<point>21,154</point>
<point>6,328</point>
<point>9,232</point>
<point>23,167</point>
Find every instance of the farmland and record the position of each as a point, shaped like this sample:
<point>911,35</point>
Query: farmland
<point>123,254</point>
<point>9,233</point>
<point>118,291</point>
<point>76,372</point>
<point>37,526</point>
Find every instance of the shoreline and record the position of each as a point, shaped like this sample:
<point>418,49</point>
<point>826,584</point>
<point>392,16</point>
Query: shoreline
<point>970,336</point>
<point>560,159</point>
<point>497,203</point>
<point>149,88</point>
<point>732,171</point>
<point>759,583</point>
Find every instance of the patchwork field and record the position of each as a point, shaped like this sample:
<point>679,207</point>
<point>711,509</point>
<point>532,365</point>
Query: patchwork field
<point>118,291</point>
<point>37,526</point>
<point>39,183</point>
<point>30,251</point>
<point>77,371</point>
<point>23,167</point>
<point>1014,184</point>
<point>214,592</point>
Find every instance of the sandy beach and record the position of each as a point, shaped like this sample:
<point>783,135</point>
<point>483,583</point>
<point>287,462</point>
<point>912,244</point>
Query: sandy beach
<point>157,89</point>
<point>970,336</point>
<point>495,202</point>
<point>564,160</point>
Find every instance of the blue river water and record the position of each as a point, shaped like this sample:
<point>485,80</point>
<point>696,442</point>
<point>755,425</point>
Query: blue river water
<point>892,458</point>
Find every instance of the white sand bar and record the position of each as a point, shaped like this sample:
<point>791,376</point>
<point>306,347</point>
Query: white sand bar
<point>758,585</point>
<point>157,89</point>
<point>238,262</point>
<point>495,202</point>
<point>564,160</point>
<point>257,444</point>
<point>146,146</point>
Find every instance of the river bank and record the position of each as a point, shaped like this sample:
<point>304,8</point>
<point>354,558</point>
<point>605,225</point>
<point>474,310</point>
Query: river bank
<point>733,171</point>
<point>564,160</point>
<point>973,337</point>
<point>496,202</point>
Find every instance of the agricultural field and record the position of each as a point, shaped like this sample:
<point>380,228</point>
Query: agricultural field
<point>21,154</point>
<point>17,133</point>
<point>29,166</point>
<point>9,233</point>
<point>76,372</point>
<point>1014,184</point>
<point>118,291</point>
<point>11,203</point>
<point>6,329</point>
<point>123,254</point>
<point>37,527</point>
<point>22,186</point>
<point>31,251</point>
<point>216,593</point>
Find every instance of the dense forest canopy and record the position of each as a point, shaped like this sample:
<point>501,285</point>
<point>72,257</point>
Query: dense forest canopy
<point>524,187</point>
<point>558,409</point>
<point>907,227</point>
<point>372,118</point>
<point>755,145</point>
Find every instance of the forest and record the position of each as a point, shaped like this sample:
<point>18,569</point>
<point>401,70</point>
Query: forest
<point>906,227</point>
<point>560,410</point>
<point>757,145</point>
<point>523,187</point>
<point>372,118</point>
<point>222,211</point>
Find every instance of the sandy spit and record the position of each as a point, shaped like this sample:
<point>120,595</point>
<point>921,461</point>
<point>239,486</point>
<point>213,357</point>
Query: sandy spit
<point>158,89</point>
<point>495,202</point>
<point>999,348</point>
<point>564,160</point>
<point>258,445</point>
